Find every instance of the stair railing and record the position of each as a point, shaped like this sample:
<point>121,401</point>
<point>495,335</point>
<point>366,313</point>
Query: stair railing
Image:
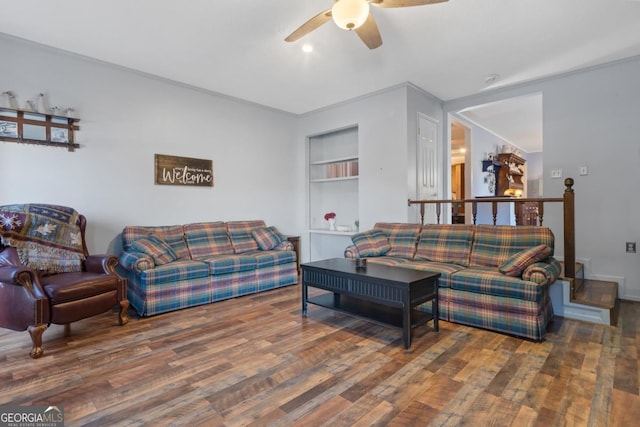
<point>567,200</point>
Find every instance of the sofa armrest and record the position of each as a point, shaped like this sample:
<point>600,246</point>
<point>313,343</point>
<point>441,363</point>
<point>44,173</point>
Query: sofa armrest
<point>136,262</point>
<point>17,275</point>
<point>543,272</point>
<point>284,246</point>
<point>23,303</point>
<point>101,264</point>
<point>351,252</point>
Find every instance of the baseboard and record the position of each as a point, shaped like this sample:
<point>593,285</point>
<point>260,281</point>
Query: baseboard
<point>563,307</point>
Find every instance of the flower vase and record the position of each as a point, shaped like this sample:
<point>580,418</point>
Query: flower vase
<point>332,224</point>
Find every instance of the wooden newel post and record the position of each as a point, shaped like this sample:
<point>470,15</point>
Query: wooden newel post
<point>569,230</point>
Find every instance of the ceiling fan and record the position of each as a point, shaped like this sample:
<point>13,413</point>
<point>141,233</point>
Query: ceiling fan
<point>355,15</point>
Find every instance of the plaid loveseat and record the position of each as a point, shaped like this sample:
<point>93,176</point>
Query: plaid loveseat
<point>179,266</point>
<point>489,277</point>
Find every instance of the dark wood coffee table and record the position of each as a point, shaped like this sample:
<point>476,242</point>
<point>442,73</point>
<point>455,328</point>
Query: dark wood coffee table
<point>383,294</point>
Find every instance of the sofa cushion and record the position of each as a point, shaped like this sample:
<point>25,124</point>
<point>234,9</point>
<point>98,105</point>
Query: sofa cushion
<point>172,234</point>
<point>159,250</point>
<point>371,243</point>
<point>231,263</point>
<point>494,244</point>
<point>445,243</point>
<point>402,238</point>
<point>240,234</point>
<point>266,237</point>
<point>207,239</point>
<point>489,281</point>
<point>515,265</point>
<point>78,285</point>
<point>174,271</point>
<point>445,270</point>
<point>271,258</point>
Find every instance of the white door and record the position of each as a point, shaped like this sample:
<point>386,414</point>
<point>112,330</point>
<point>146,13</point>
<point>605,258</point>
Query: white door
<point>427,168</point>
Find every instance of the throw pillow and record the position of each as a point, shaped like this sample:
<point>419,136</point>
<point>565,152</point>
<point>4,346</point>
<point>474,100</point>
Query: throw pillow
<point>515,265</point>
<point>156,248</point>
<point>267,237</point>
<point>371,243</point>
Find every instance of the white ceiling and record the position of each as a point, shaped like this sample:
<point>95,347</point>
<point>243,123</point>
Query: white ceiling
<point>517,120</point>
<point>237,47</point>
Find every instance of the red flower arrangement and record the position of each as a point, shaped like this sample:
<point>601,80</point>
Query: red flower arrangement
<point>330,215</point>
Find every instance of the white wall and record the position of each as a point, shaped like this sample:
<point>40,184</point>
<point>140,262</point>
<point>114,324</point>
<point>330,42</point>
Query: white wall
<point>591,118</point>
<point>126,118</point>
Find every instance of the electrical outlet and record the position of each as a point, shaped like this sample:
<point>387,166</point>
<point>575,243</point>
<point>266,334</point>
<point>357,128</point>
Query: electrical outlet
<point>631,247</point>
<point>584,170</point>
<point>556,173</point>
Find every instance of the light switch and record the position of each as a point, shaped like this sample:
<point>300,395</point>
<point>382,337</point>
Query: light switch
<point>584,170</point>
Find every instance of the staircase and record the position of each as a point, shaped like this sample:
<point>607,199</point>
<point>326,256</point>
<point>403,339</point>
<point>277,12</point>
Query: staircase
<point>599,295</point>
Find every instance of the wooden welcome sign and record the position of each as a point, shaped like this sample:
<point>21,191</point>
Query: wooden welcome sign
<point>174,170</point>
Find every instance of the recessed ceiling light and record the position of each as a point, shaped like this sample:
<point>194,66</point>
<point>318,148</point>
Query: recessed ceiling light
<point>307,48</point>
<point>491,78</point>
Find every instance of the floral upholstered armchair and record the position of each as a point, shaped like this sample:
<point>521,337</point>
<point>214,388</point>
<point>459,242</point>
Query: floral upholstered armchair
<point>47,275</point>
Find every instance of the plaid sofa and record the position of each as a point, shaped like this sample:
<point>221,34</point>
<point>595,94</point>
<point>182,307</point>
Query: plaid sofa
<point>208,262</point>
<point>472,288</point>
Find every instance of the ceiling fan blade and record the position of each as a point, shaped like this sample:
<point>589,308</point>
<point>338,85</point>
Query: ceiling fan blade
<point>403,3</point>
<point>369,33</point>
<point>310,25</point>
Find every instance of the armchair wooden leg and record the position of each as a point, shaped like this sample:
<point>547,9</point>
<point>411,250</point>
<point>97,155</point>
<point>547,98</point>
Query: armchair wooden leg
<point>122,316</point>
<point>36,340</point>
<point>67,329</point>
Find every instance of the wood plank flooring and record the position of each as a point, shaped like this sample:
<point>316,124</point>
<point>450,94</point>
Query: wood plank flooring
<point>254,361</point>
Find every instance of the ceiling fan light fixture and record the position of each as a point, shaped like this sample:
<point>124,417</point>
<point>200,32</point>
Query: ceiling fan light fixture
<point>350,14</point>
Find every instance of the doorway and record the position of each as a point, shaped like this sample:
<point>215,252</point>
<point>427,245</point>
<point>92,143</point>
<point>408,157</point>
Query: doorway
<point>510,125</point>
<point>460,143</point>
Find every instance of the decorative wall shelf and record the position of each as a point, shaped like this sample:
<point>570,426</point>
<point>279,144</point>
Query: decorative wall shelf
<point>29,127</point>
<point>510,177</point>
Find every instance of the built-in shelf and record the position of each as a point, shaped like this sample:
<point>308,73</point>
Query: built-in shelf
<point>333,179</point>
<point>337,160</point>
<point>344,178</point>
<point>333,233</point>
<point>29,127</point>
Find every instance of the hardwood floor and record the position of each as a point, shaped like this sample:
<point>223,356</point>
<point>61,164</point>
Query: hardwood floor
<point>255,361</point>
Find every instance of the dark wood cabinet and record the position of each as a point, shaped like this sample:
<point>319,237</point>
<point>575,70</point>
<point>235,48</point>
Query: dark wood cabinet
<point>510,175</point>
<point>457,193</point>
<point>295,240</point>
<point>528,213</point>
